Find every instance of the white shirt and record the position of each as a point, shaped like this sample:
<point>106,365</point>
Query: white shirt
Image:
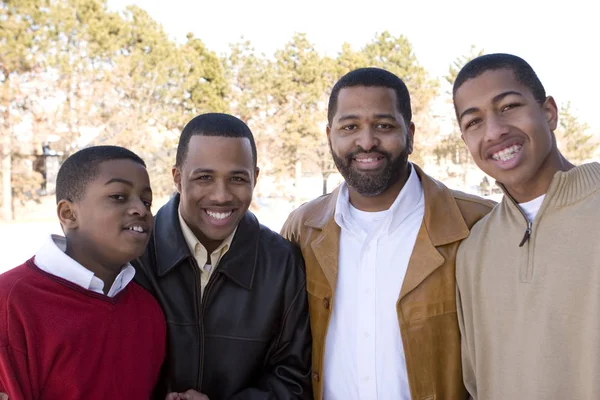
<point>364,357</point>
<point>51,258</point>
<point>532,207</point>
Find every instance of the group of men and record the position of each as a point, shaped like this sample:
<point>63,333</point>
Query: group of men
<point>391,287</point>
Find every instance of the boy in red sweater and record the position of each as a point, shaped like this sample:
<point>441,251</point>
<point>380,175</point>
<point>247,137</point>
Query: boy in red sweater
<point>73,325</point>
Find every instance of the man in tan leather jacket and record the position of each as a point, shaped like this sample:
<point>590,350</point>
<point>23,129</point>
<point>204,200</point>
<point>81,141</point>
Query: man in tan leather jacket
<point>380,252</point>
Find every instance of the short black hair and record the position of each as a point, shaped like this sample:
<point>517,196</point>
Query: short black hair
<point>213,124</point>
<point>371,77</point>
<point>522,71</point>
<point>81,168</point>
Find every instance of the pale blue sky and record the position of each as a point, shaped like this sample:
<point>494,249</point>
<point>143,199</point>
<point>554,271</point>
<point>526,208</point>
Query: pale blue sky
<point>560,40</point>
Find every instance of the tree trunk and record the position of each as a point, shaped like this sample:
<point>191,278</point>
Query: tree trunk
<point>297,183</point>
<point>7,213</point>
<point>325,176</point>
<point>6,163</point>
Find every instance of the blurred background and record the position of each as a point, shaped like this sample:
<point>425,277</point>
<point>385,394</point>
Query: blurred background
<point>75,73</point>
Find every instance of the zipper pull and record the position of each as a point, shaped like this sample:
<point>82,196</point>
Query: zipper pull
<point>527,234</point>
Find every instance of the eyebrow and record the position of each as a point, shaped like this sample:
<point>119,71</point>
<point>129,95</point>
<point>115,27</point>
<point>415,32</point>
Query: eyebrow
<point>212,171</point>
<point>377,116</point>
<point>126,182</point>
<point>495,100</point>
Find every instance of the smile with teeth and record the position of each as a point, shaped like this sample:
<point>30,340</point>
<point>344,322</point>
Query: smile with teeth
<point>219,215</point>
<point>368,160</point>
<point>507,154</point>
<point>136,229</point>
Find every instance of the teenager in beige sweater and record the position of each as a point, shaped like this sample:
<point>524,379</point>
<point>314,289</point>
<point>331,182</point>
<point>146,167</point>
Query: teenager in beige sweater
<point>528,276</point>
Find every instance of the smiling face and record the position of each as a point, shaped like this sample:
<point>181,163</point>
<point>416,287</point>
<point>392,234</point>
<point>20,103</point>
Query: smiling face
<point>369,139</point>
<point>111,224</point>
<point>215,182</point>
<point>509,133</point>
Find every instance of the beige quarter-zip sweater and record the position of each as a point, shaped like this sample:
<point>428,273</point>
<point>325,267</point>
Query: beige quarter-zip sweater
<point>529,315</point>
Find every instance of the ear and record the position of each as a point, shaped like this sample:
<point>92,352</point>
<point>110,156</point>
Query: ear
<point>411,136</point>
<point>177,178</point>
<point>551,113</point>
<point>328,131</point>
<point>256,172</point>
<point>67,215</point>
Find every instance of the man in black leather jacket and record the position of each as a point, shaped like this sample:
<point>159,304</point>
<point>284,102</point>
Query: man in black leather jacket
<point>233,292</point>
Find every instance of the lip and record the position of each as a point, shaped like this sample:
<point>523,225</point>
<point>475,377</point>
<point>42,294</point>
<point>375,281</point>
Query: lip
<point>378,160</point>
<point>501,146</point>
<point>141,224</point>
<point>219,222</point>
<point>509,164</point>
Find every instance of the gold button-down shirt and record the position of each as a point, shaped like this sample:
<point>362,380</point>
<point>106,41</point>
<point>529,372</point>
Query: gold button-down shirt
<point>200,253</point>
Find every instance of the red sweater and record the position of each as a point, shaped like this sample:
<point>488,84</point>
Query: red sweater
<point>60,341</point>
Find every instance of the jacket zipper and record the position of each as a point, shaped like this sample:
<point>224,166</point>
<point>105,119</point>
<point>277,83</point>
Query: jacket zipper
<point>203,300</point>
<point>527,234</point>
<point>200,322</point>
<point>529,228</point>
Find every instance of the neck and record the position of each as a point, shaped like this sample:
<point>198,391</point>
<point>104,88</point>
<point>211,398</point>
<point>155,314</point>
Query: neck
<point>380,202</point>
<point>538,185</point>
<point>209,244</point>
<point>82,254</point>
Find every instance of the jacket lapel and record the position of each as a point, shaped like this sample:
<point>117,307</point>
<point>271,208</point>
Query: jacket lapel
<point>443,223</point>
<point>326,243</point>
<point>326,248</point>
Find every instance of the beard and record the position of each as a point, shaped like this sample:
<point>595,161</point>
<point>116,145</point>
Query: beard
<point>372,183</point>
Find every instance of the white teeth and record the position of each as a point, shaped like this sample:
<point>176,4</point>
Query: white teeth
<point>507,154</point>
<point>137,229</point>
<point>219,215</point>
<point>362,160</point>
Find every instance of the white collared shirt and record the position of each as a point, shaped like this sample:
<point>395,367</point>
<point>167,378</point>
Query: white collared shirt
<point>364,356</point>
<point>51,258</point>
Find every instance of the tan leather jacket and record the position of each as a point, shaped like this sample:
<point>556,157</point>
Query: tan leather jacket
<point>426,305</point>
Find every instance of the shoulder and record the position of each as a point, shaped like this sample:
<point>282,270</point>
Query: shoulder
<point>16,280</point>
<point>473,208</point>
<point>272,242</point>
<point>318,211</point>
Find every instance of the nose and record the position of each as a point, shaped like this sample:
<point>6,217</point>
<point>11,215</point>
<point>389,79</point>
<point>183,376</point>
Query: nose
<point>495,128</point>
<point>221,192</point>
<point>367,139</point>
<point>138,207</point>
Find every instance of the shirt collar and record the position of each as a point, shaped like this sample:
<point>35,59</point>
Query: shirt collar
<point>198,250</point>
<point>407,201</point>
<point>52,258</point>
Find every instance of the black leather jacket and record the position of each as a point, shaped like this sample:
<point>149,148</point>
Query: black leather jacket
<point>248,337</point>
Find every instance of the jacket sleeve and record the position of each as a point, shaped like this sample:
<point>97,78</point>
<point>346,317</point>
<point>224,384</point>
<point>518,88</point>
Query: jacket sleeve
<point>468,367</point>
<point>287,373</point>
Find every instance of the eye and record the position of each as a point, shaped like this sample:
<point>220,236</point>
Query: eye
<point>385,127</point>
<point>350,127</point>
<point>203,178</point>
<point>472,123</point>
<point>117,197</point>
<point>509,107</point>
<point>147,203</point>
<point>238,179</point>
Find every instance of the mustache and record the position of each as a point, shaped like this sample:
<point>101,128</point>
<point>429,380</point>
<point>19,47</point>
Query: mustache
<point>375,150</point>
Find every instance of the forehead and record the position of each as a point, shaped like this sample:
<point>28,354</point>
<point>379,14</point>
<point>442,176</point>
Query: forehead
<point>122,169</point>
<point>219,153</point>
<point>363,100</point>
<point>479,91</point>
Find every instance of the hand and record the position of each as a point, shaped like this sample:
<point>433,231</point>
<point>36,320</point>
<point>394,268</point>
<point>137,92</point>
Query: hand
<point>3,396</point>
<point>189,395</point>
